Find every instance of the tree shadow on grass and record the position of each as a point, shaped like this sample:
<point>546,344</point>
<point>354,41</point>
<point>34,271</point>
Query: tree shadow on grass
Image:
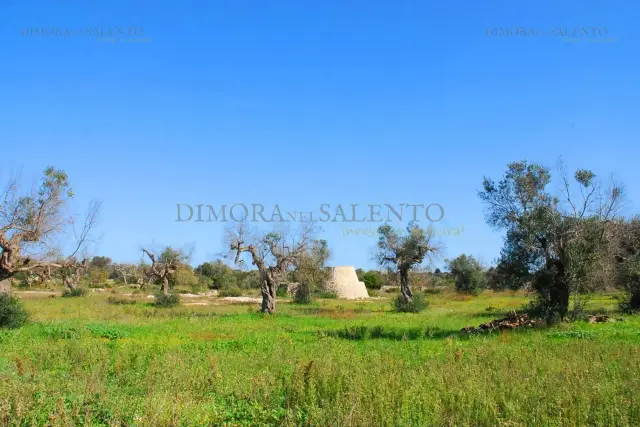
<point>360,333</point>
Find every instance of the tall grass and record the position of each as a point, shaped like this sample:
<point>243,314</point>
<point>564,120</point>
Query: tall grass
<point>87,362</point>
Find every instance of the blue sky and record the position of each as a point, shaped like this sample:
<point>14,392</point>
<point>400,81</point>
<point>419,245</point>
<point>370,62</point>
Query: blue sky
<point>300,103</point>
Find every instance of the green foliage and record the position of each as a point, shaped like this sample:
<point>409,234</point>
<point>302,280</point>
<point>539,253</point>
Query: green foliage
<point>186,279</point>
<point>629,276</point>
<point>372,279</point>
<point>282,291</point>
<point>166,301</point>
<point>98,277</point>
<point>558,248</point>
<point>73,293</point>
<point>120,301</point>
<point>230,292</point>
<point>12,312</point>
<point>326,295</point>
<point>220,274</point>
<point>468,274</point>
<point>310,272</point>
<point>417,304</point>
<point>100,262</point>
<point>302,295</point>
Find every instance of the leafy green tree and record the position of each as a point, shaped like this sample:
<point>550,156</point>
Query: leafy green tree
<point>372,279</point>
<point>556,243</point>
<point>468,274</point>
<point>627,256</point>
<point>309,271</point>
<point>221,275</point>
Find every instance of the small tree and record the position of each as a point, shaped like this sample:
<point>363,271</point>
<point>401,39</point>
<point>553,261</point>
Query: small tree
<point>468,274</point>
<point>404,252</point>
<point>372,279</point>
<point>221,274</point>
<point>627,257</point>
<point>164,267</point>
<point>274,254</point>
<point>310,272</point>
<point>28,224</point>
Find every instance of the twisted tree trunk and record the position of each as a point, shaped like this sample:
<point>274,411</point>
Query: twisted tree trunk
<point>407,295</point>
<point>165,285</point>
<point>268,298</point>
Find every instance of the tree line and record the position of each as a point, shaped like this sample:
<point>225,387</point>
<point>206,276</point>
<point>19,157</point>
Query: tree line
<point>558,244</point>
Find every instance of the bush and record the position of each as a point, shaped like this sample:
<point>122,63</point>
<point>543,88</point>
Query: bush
<point>468,274</point>
<point>166,301</point>
<point>302,295</point>
<point>120,301</point>
<point>418,303</point>
<point>230,292</point>
<point>12,313</point>
<point>282,291</point>
<point>372,280</point>
<point>372,293</point>
<point>75,292</point>
<point>327,295</point>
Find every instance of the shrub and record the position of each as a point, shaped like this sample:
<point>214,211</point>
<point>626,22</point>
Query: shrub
<point>392,290</point>
<point>372,280</point>
<point>282,291</point>
<point>230,292</point>
<point>75,292</point>
<point>166,300</point>
<point>418,303</point>
<point>120,301</point>
<point>12,313</point>
<point>373,293</point>
<point>468,274</point>
<point>302,295</point>
<point>327,295</point>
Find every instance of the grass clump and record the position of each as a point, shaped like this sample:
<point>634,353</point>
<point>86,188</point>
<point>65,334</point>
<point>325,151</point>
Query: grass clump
<point>166,300</point>
<point>230,292</point>
<point>120,301</point>
<point>75,292</point>
<point>327,295</point>
<point>417,304</point>
<point>12,312</point>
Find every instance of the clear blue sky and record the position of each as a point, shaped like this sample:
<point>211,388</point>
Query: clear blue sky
<point>301,103</point>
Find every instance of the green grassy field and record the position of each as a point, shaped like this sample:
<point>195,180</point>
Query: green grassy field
<point>82,361</point>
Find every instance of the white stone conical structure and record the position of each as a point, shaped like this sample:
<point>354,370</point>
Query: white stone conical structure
<point>344,282</point>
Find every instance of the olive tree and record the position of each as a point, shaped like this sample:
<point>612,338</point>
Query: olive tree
<point>164,266</point>
<point>558,239</point>
<point>274,254</point>
<point>403,252</point>
<point>29,224</point>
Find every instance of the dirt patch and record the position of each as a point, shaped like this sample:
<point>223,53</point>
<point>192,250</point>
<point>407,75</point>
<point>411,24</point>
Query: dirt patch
<point>242,299</point>
<point>197,303</point>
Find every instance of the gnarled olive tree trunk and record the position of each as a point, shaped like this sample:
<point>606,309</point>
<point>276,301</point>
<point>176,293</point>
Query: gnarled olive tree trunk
<point>268,291</point>
<point>407,295</point>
